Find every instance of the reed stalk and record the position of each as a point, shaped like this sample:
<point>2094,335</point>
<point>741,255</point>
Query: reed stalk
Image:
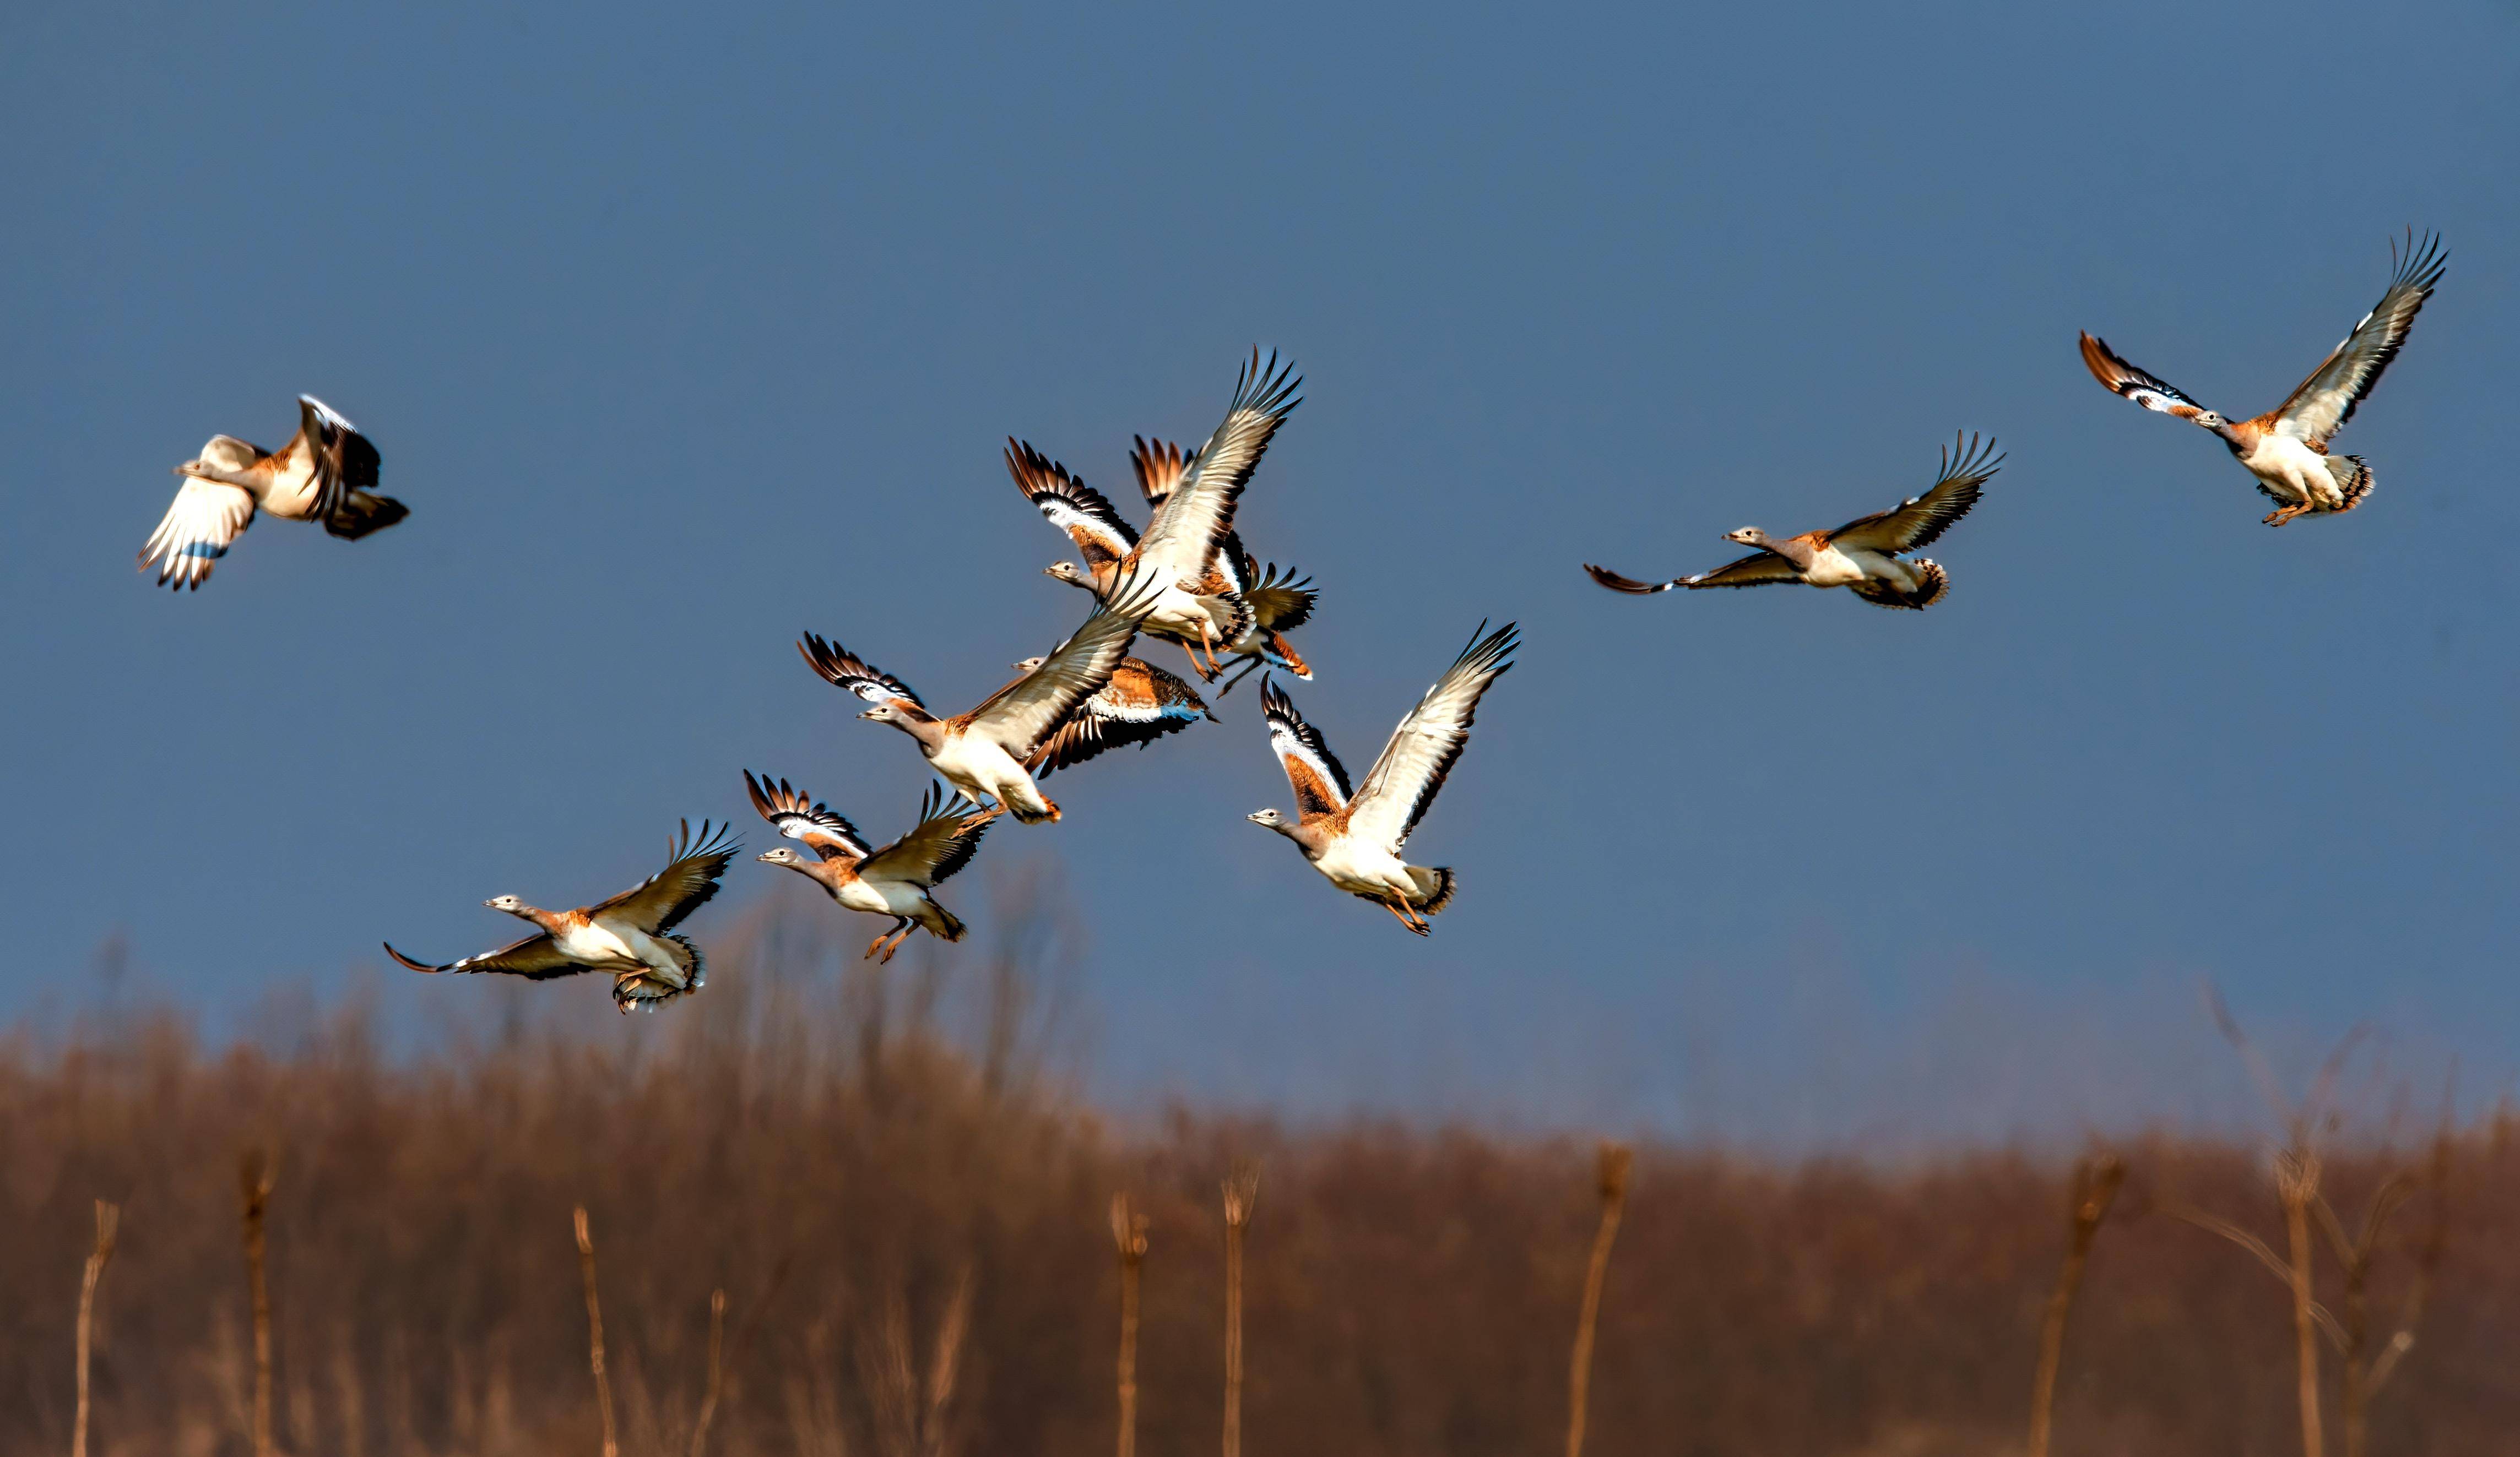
<point>108,1219</point>
<point>1128,1234</point>
<point>253,1195</point>
<point>1610,1182</point>
<point>2095,1187</point>
<point>716,1372</point>
<point>1242,1189</point>
<point>2296,1185</point>
<point>595,1332</point>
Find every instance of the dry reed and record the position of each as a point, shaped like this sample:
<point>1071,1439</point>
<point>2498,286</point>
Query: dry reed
<point>2095,1187</point>
<point>595,1331</point>
<point>108,1219</point>
<point>716,1372</point>
<point>1242,1189</point>
<point>1610,1183</point>
<point>1128,1234</point>
<point>253,1194</point>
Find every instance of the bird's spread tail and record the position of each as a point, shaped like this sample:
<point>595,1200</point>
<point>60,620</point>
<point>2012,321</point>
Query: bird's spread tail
<point>1434,888</point>
<point>363,511</point>
<point>647,992</point>
<point>2353,479</point>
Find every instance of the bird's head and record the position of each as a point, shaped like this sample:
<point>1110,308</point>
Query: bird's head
<point>1029,664</point>
<point>1269,819</point>
<point>1070,573</point>
<point>223,458</point>
<point>509,904</point>
<point>781,855</point>
<point>1748,536</point>
<point>881,713</point>
<point>2209,419</point>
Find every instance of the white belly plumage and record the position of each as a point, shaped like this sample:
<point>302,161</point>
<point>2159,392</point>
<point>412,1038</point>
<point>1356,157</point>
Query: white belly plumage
<point>978,767</point>
<point>881,897</point>
<point>1364,869</point>
<point>292,497</point>
<point>2293,470</point>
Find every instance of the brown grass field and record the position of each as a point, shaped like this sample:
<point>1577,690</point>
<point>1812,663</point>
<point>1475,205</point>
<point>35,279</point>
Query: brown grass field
<point>913,1227</point>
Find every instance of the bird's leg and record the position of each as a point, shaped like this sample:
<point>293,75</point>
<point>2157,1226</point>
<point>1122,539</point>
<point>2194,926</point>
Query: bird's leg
<point>1400,913</point>
<point>878,941</point>
<point>2283,513</point>
<point>1207,641</point>
<point>1248,664</point>
<point>899,933</point>
<point>1191,653</point>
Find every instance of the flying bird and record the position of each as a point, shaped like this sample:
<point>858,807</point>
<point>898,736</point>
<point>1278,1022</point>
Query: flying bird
<point>893,881</point>
<point>1355,842</point>
<point>629,935</point>
<point>1142,703</point>
<point>1863,555</point>
<point>327,473</point>
<point>1196,607</point>
<point>1276,604</point>
<point>983,752</point>
<point>2286,448</point>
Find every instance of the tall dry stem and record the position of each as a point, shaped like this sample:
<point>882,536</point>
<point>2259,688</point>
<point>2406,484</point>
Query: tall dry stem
<point>1128,1234</point>
<point>108,1219</point>
<point>595,1332</point>
<point>253,1196</point>
<point>2296,1185</point>
<point>2095,1187</point>
<point>1242,1189</point>
<point>1612,1184</point>
<point>716,1372</point>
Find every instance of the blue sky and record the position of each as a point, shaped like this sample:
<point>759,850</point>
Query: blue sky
<point>683,336</point>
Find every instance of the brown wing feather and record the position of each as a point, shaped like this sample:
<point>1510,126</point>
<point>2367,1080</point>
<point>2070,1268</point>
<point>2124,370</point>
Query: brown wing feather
<point>536,958</point>
<point>2323,403</point>
<point>659,903</point>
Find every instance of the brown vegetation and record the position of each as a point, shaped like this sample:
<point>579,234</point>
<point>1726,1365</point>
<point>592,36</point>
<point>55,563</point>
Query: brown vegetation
<point>869,1190</point>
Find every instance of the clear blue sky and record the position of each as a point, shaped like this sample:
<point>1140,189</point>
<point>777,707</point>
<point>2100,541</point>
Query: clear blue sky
<point>681,335</point>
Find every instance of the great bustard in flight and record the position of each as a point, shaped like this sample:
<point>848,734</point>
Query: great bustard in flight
<point>2286,448</point>
<point>1863,556</point>
<point>1197,608</point>
<point>983,752</point>
<point>327,473</point>
<point>1355,841</point>
<point>893,881</point>
<point>630,935</point>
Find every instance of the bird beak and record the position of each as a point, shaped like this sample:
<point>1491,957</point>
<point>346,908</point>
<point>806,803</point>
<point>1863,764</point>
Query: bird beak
<point>188,467</point>
<point>870,713</point>
<point>1254,819</point>
<point>493,905</point>
<point>765,854</point>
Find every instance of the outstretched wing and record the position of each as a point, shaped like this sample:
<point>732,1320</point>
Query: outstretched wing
<point>2145,389</point>
<point>1199,510</point>
<point>1759,569</point>
<point>941,843</point>
<point>846,669</point>
<point>1142,703</point>
<point>1159,466</point>
<point>799,816</point>
<point>1313,771</point>
<point>1028,710</point>
<point>1916,521</point>
<point>1278,604</point>
<point>659,903</point>
<point>343,459</point>
<point>1425,747</point>
<point>1074,506</point>
<point>205,517</point>
<point>534,958</point>
<point>2325,400</point>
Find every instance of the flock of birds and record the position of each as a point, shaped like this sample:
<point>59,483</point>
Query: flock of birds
<point>1188,578</point>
